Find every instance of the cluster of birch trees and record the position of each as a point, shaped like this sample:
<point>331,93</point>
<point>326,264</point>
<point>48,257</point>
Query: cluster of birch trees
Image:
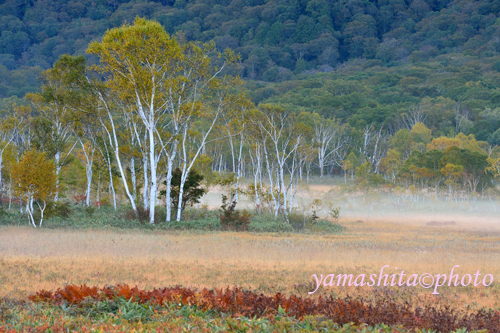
<point>143,93</point>
<point>146,102</point>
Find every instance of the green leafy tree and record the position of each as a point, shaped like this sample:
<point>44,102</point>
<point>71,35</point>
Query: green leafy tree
<point>193,190</point>
<point>402,142</point>
<point>420,137</point>
<point>391,163</point>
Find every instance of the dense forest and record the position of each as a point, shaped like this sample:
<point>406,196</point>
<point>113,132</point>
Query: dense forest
<point>397,95</point>
<point>381,57</point>
<point>275,38</point>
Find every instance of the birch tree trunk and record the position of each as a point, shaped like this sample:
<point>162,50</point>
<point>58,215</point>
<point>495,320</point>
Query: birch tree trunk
<point>186,167</point>
<point>89,157</point>
<point>57,158</point>
<point>168,183</point>
<point>1,161</point>
<point>152,167</point>
<point>29,210</point>
<point>10,191</point>
<point>133,178</point>
<point>111,183</point>
<point>42,210</point>
<point>270,174</point>
<point>256,168</point>
<point>113,141</point>
<point>145,192</point>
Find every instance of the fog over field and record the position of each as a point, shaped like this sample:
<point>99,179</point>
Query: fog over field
<point>479,215</point>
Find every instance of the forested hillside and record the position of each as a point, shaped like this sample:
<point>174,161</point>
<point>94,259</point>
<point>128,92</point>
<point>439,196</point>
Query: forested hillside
<point>452,93</point>
<point>275,38</point>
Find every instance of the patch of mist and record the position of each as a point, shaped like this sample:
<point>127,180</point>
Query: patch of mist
<point>472,214</point>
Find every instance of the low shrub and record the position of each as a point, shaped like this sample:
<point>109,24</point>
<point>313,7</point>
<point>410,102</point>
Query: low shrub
<point>192,214</point>
<point>89,210</point>
<point>267,222</point>
<point>325,226</point>
<point>232,219</point>
<point>58,209</point>
<point>293,222</point>
<point>206,225</point>
<point>297,221</point>
<point>142,215</point>
<point>237,302</point>
<point>121,307</point>
<point>271,226</point>
<point>80,199</point>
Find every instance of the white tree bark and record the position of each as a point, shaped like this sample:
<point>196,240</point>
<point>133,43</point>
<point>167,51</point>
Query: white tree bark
<point>374,146</point>
<point>285,140</point>
<point>236,156</point>
<point>89,161</point>
<point>256,160</point>
<point>29,210</point>
<point>154,185</point>
<point>168,182</point>
<point>1,164</point>
<point>42,210</point>
<point>329,141</point>
<point>57,158</point>
<point>133,178</point>
<point>270,170</point>
<point>6,137</point>
<point>188,164</point>
<point>114,143</point>
<point>145,172</point>
<point>105,154</point>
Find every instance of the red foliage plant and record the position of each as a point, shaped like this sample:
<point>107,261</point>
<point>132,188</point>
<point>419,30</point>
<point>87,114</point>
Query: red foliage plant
<point>239,302</point>
<point>80,198</point>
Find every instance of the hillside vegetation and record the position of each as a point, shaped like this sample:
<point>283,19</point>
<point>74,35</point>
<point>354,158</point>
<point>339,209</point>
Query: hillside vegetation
<point>276,38</point>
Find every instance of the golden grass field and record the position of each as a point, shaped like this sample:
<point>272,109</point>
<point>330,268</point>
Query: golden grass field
<point>34,259</point>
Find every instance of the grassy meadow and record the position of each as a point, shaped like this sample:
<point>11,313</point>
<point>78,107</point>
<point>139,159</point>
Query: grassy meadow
<point>32,259</point>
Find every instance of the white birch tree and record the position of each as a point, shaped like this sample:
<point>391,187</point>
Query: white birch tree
<point>330,141</point>
<point>283,138</point>
<point>8,130</point>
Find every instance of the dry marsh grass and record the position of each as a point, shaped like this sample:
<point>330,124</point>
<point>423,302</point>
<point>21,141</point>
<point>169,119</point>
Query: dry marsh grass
<point>31,259</point>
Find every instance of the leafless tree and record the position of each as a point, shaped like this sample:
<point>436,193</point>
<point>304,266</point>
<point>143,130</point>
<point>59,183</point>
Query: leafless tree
<point>414,115</point>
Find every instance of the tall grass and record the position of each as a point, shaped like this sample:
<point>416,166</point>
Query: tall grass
<point>34,259</point>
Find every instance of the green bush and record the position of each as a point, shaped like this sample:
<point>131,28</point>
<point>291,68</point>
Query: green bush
<point>297,221</point>
<point>58,209</point>
<point>293,222</point>
<point>232,219</point>
<point>325,226</point>
<point>192,190</point>
<point>193,214</point>
<point>89,210</point>
<point>143,215</point>
<point>277,225</point>
<point>267,222</point>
